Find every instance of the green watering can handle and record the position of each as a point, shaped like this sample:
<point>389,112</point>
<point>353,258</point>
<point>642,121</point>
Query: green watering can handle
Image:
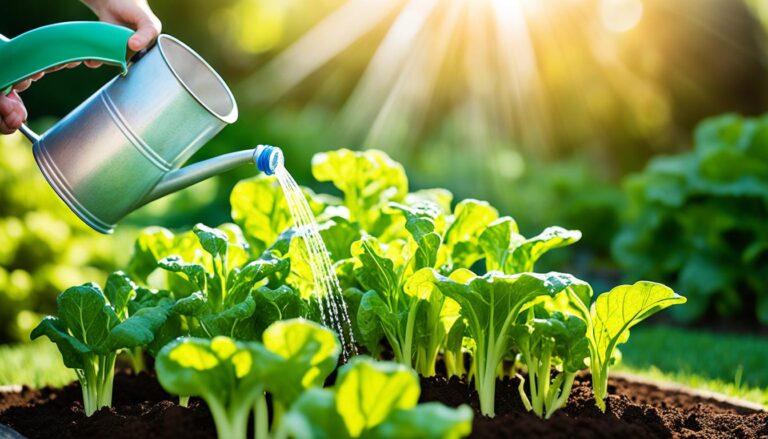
<point>48,46</point>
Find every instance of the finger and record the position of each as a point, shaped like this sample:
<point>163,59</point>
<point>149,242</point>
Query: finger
<point>5,129</point>
<point>37,76</point>
<point>14,120</point>
<point>93,64</point>
<point>19,113</point>
<point>7,106</point>
<point>72,65</point>
<point>147,29</point>
<point>23,85</point>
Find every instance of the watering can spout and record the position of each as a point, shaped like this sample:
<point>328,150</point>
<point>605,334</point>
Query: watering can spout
<point>266,158</point>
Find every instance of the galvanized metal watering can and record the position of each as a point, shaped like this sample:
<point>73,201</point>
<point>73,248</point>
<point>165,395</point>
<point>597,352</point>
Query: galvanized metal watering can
<point>124,146</point>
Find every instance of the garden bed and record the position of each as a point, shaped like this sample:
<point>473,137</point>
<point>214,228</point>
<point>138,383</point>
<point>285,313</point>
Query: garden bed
<point>635,409</point>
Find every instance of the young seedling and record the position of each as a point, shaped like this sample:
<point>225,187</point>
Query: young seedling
<point>610,318</point>
<point>223,302</point>
<point>232,376</point>
<point>228,375</point>
<point>491,304</point>
<point>90,332</point>
<point>556,340</point>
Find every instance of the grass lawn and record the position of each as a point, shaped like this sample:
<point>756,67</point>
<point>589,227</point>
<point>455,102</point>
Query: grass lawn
<point>729,364</point>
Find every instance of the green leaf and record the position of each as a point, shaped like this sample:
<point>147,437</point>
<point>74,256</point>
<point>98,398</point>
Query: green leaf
<point>471,217</point>
<point>430,420</point>
<point>309,352</point>
<point>220,370</point>
<point>375,320</point>
<point>243,280</point>
<point>156,243</point>
<point>314,416</point>
<point>139,329</point>
<point>369,180</point>
<point>527,253</point>
<point>498,241</point>
<point>85,313</point>
<point>281,303</point>
<point>508,251</point>
<point>338,235</point>
<point>368,392</point>
<point>119,290</point>
<point>375,272</point>
<point>72,351</point>
<point>491,304</point>
<point>193,305</point>
<point>226,321</point>
<point>194,273</point>
<point>259,207</point>
<point>213,241</point>
<point>612,315</point>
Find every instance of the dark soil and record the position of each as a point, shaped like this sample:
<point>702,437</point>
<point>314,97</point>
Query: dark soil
<point>142,409</point>
<point>634,410</point>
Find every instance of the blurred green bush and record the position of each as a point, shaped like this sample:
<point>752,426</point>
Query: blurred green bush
<point>44,248</point>
<point>700,221</point>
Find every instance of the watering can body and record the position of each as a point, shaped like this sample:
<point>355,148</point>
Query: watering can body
<point>125,145</point>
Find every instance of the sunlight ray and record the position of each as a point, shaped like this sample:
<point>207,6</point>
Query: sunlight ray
<point>388,61</point>
<point>336,33</point>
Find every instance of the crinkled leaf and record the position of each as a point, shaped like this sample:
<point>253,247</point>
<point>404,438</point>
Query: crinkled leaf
<point>243,280</point>
<point>369,180</point>
<point>527,253</point>
<point>375,271</point>
<point>498,241</point>
<point>193,305</point>
<point>375,320</point>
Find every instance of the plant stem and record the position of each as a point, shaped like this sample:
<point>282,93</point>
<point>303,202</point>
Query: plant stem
<point>184,401</point>
<point>261,418</point>
<point>407,355</point>
<point>136,356</point>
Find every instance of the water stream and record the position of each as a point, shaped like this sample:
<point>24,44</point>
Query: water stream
<point>333,309</point>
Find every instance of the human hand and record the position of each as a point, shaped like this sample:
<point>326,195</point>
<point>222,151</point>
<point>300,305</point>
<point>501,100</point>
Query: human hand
<point>135,14</point>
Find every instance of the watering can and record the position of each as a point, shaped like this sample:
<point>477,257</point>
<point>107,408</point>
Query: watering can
<point>124,146</point>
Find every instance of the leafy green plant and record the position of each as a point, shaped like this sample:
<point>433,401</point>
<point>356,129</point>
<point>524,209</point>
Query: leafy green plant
<point>232,376</point>
<point>697,221</point>
<point>229,375</point>
<point>491,304</point>
<point>375,400</point>
<point>556,340</point>
<point>609,319</point>
<point>93,326</point>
